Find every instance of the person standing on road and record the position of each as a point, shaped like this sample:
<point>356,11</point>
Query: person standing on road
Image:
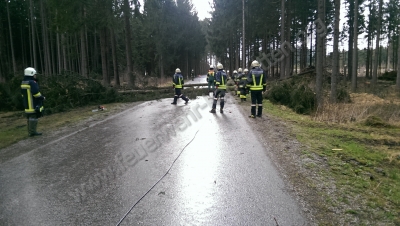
<point>177,83</point>
<point>192,75</point>
<point>211,79</point>
<point>32,100</point>
<point>256,81</point>
<point>237,80</point>
<point>220,85</point>
<point>242,84</point>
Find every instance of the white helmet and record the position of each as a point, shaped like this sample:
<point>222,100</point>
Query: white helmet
<point>234,72</point>
<point>178,70</point>
<point>211,66</point>
<point>240,70</point>
<point>220,66</point>
<point>246,70</point>
<point>255,64</point>
<point>29,71</point>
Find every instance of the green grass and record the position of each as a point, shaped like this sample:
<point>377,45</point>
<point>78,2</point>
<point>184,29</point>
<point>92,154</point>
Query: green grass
<point>358,159</point>
<point>14,125</point>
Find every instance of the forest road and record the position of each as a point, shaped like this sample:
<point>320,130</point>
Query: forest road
<point>152,164</point>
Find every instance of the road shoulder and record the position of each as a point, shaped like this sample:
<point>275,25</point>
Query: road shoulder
<point>286,154</point>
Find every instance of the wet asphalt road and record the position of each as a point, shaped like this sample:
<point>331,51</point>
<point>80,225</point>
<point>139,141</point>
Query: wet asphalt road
<point>196,168</point>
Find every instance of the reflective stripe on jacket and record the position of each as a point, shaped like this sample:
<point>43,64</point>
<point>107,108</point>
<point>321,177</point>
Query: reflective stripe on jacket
<point>220,79</point>
<point>32,98</point>
<point>256,79</point>
<point>177,81</point>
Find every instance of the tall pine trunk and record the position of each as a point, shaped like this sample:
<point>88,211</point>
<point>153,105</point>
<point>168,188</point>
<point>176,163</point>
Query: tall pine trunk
<point>335,65</point>
<point>103,50</point>
<point>378,36</point>
<point>115,59</point>
<point>288,57</point>
<point>282,62</point>
<point>319,63</point>
<point>398,65</point>
<point>351,40</point>
<point>84,71</point>
<point>367,64</point>
<point>11,42</point>
<point>355,49</point>
<point>244,37</point>
<point>34,55</point>
<point>128,45</point>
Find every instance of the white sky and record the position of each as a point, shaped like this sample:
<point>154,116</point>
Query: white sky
<point>202,7</point>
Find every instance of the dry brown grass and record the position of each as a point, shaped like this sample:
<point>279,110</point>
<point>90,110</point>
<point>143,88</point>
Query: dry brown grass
<point>362,106</point>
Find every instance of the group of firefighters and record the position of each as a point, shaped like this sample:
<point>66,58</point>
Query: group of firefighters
<point>253,82</point>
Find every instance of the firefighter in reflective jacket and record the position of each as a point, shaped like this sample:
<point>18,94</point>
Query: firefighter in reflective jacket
<point>177,83</point>
<point>32,99</point>
<point>210,79</point>
<point>237,80</point>
<point>220,85</point>
<point>256,82</point>
<point>242,84</point>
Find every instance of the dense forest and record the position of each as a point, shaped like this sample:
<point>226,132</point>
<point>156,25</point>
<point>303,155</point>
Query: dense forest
<point>122,41</point>
<point>112,38</point>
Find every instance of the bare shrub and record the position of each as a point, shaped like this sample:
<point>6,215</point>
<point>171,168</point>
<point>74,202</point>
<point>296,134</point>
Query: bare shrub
<point>362,107</point>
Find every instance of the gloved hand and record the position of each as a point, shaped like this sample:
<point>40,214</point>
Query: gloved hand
<point>173,86</point>
<point>216,86</point>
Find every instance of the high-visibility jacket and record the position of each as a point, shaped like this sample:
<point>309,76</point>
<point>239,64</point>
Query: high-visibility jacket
<point>257,79</point>
<point>220,79</point>
<point>237,77</point>
<point>242,81</point>
<point>32,98</point>
<point>177,81</point>
<point>210,76</point>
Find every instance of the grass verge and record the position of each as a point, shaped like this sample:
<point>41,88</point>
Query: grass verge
<point>14,125</point>
<point>360,167</point>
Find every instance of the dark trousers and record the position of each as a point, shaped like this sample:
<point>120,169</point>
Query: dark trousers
<point>242,93</point>
<point>219,93</point>
<point>178,94</point>
<point>256,99</point>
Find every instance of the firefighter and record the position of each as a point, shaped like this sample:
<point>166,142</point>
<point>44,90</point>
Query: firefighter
<point>234,75</point>
<point>242,84</point>
<point>239,74</point>
<point>32,100</point>
<point>192,74</point>
<point>177,83</point>
<point>220,85</point>
<point>211,79</point>
<point>256,82</point>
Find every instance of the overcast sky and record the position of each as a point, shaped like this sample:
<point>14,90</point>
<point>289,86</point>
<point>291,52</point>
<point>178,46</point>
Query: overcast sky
<point>202,7</point>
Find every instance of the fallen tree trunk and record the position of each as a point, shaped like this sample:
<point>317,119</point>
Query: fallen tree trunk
<point>161,89</point>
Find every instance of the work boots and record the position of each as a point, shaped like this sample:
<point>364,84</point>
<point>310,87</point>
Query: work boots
<point>259,112</point>
<point>175,99</point>
<point>32,125</point>
<point>253,112</point>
